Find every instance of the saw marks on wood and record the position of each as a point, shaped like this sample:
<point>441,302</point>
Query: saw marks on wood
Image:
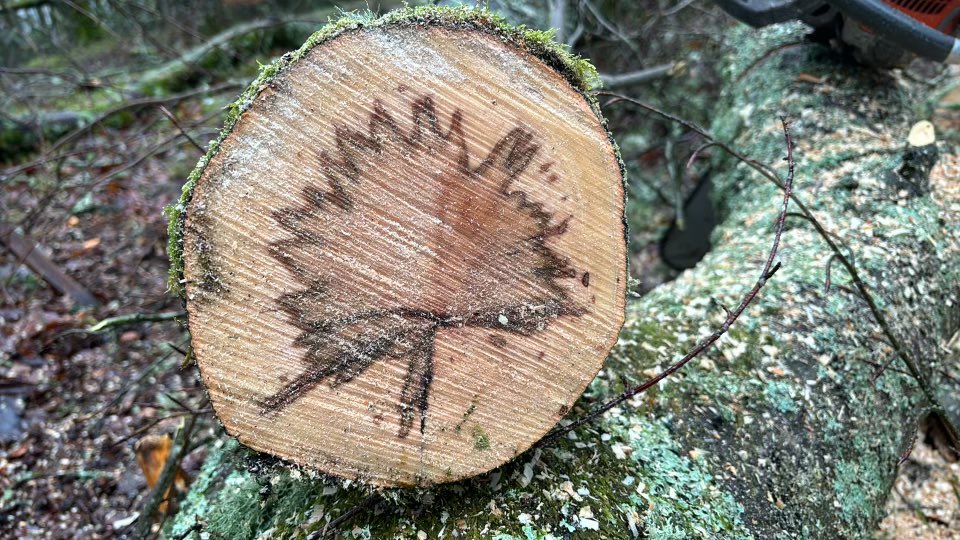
<point>407,260</point>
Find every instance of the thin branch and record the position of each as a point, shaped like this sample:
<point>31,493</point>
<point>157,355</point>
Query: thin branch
<point>26,252</point>
<point>767,55</point>
<point>166,112</point>
<point>696,153</point>
<point>680,6</point>
<point>126,388</point>
<point>575,35</point>
<point>826,281</point>
<point>160,146</point>
<point>609,26</point>
<point>952,431</point>
<point>86,13</point>
<point>134,318</point>
<point>906,453</point>
<point>146,427</point>
<point>614,80</point>
<point>140,103</point>
<point>331,529</point>
<point>769,269</point>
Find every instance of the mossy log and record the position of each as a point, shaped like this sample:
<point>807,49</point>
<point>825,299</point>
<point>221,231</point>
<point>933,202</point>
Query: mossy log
<point>780,431</point>
<point>17,137</point>
<point>407,259</point>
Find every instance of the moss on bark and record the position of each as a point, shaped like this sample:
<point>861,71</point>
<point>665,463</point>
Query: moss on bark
<point>779,431</point>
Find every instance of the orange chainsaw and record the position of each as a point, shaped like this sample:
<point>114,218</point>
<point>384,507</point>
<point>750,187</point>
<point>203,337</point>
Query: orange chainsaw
<point>879,32</point>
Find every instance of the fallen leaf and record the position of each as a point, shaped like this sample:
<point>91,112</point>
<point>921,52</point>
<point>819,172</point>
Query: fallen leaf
<point>152,453</point>
<point>19,451</point>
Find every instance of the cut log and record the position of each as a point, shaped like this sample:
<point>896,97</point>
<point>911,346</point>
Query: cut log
<point>407,259</point>
<point>783,430</point>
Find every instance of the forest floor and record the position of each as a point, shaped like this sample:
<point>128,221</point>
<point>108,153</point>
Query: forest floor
<point>925,503</point>
<point>73,404</point>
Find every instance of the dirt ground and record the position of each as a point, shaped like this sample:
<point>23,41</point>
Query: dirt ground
<point>72,403</point>
<point>925,502</point>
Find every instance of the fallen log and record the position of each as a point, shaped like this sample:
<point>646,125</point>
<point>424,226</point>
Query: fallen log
<point>20,136</point>
<point>788,427</point>
<point>407,259</point>
<point>26,252</point>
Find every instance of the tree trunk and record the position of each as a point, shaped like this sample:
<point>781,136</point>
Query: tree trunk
<point>780,431</point>
<point>392,279</point>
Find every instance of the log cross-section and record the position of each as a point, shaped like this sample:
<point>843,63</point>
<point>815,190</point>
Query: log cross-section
<point>407,259</point>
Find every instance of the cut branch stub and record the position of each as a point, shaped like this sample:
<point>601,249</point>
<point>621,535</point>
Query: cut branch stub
<point>407,259</point>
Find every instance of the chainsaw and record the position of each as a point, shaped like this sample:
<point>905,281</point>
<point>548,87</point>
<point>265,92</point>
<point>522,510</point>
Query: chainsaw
<point>884,33</point>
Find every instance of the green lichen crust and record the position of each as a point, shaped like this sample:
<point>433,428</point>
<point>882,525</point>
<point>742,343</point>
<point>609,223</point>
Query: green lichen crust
<point>778,432</point>
<point>578,72</point>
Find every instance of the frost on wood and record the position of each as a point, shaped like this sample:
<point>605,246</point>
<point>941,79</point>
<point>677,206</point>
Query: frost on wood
<point>407,259</point>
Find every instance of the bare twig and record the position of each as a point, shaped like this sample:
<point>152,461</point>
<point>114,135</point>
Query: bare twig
<point>677,8</point>
<point>166,112</point>
<point>123,320</point>
<point>333,527</point>
<point>127,387</point>
<point>614,80</point>
<point>767,55</point>
<point>609,26</point>
<point>769,269</point>
<point>86,13</point>
<point>146,427</point>
<point>906,453</point>
<point>826,281</point>
<point>141,103</point>
<point>40,71</point>
<point>25,251</point>
<point>134,318</point>
<point>696,153</point>
<point>160,146</point>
